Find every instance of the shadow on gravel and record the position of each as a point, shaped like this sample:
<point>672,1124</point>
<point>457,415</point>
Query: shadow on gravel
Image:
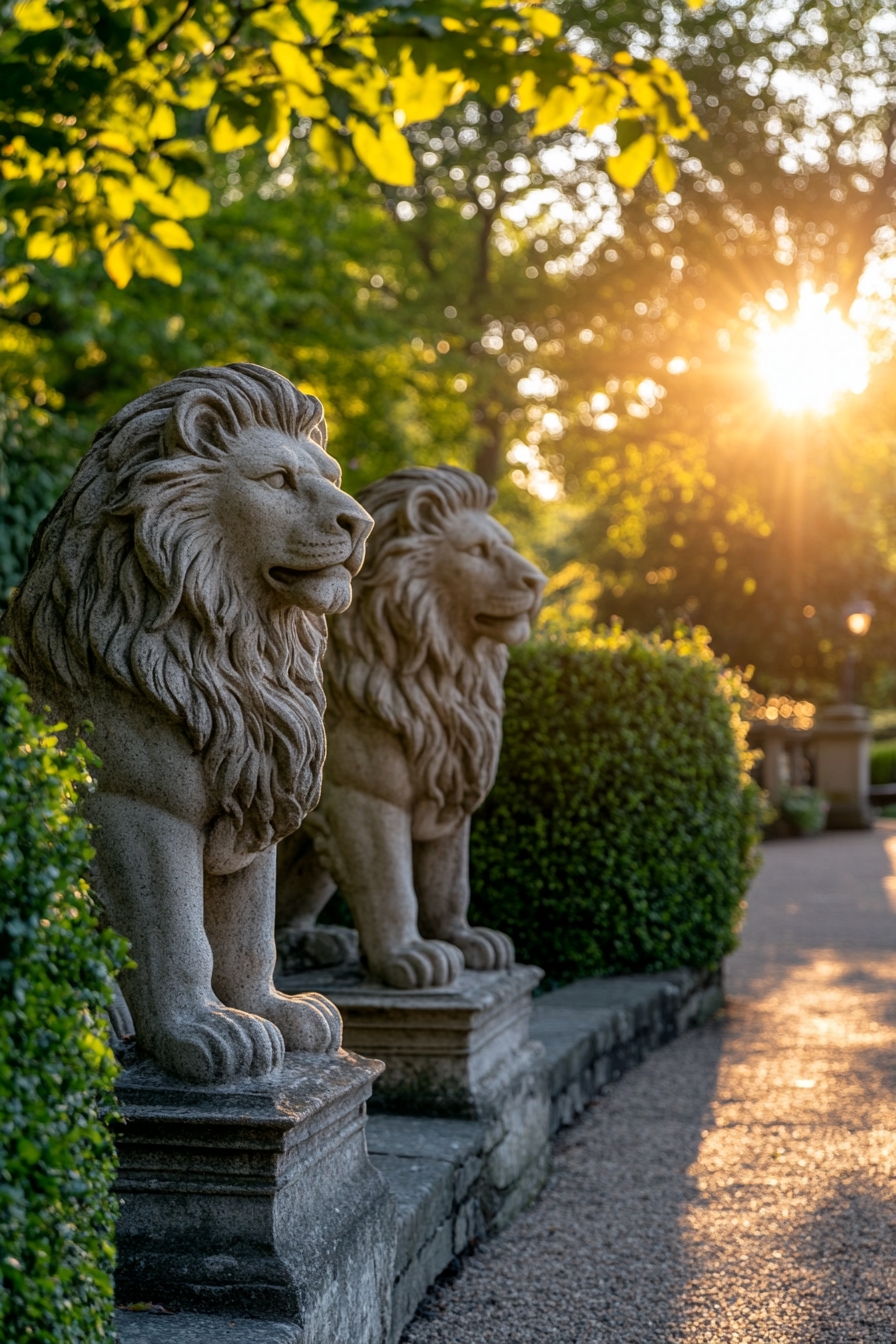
<point>849,1283</point>
<point>791,1239</point>
<point>599,1257</point>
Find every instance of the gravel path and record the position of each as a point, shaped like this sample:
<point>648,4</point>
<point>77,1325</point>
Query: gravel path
<point>739,1185</point>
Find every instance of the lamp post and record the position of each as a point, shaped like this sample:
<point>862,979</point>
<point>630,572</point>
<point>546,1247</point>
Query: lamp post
<point>858,615</point>
<point>842,737</point>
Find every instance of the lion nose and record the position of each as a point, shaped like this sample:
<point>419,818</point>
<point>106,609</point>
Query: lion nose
<point>533,579</point>
<point>357,522</point>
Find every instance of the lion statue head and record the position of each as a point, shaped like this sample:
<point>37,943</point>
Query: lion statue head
<point>192,560</point>
<point>423,647</point>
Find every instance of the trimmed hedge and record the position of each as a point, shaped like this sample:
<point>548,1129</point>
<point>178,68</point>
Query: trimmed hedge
<point>57,1163</point>
<point>620,834</point>
<point>883,762</point>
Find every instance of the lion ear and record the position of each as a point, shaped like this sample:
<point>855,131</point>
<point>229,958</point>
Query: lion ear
<point>423,511</point>
<point>200,419</point>
<point>315,425</point>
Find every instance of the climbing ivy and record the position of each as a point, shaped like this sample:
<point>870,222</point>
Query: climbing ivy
<point>56,1069</point>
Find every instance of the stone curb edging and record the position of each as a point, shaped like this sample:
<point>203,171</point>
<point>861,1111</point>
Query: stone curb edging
<point>592,1031</point>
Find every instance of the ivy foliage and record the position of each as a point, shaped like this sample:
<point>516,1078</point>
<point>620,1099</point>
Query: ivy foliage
<point>56,1069</point>
<point>38,454</point>
<point>107,109</point>
<point>620,834</point>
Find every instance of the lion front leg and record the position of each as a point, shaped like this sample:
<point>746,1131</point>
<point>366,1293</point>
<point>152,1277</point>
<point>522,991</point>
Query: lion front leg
<point>442,881</point>
<point>148,875</point>
<point>303,889</point>
<point>367,844</point>
<point>239,921</point>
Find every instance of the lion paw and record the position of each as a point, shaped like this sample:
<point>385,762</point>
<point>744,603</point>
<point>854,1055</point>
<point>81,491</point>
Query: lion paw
<point>308,1021</point>
<point>485,949</point>
<point>217,1045</point>
<point>427,964</point>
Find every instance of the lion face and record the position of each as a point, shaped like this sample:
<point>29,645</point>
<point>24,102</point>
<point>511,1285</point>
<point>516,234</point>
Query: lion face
<point>296,538</point>
<point>487,589</point>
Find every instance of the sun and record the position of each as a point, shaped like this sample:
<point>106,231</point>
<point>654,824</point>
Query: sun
<point>810,362</point>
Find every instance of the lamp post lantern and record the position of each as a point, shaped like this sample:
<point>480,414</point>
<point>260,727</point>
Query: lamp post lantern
<point>858,615</point>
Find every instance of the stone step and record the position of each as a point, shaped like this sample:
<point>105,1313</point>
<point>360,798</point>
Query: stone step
<point>594,1030</point>
<point>433,1167</point>
<point>142,1327</point>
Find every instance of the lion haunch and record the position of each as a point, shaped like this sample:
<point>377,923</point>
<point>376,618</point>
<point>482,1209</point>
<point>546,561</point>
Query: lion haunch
<point>176,597</point>
<point>414,679</point>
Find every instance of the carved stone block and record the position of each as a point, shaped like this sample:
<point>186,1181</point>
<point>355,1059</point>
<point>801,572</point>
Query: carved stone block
<point>258,1198</point>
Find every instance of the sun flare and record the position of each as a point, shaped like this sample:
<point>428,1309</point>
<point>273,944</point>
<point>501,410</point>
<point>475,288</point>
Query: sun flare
<point>810,362</point>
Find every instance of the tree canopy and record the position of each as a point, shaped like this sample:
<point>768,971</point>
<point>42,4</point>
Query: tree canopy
<point>106,108</point>
<point>588,347</point>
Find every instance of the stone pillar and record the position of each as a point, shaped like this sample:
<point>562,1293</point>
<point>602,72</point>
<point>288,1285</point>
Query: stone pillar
<point>775,765</point>
<point>257,1199</point>
<point>842,742</point>
<point>461,1050</point>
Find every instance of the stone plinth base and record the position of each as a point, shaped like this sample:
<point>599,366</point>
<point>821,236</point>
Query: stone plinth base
<point>450,1051</point>
<point>257,1199</point>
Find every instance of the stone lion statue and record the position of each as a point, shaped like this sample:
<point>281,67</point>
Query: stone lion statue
<point>414,679</point>
<point>176,598</point>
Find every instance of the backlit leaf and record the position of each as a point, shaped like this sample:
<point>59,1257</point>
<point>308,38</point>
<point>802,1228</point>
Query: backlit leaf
<point>558,109</point>
<point>527,94</point>
<point>162,125</point>
<point>65,250</point>
<point>294,65</point>
<point>119,197</point>
<point>601,103</point>
<point>39,246</point>
<point>387,155</point>
<point>172,234</point>
<point>422,97</point>
<point>34,16</point>
<point>118,262</point>
<point>192,200</point>
<point>664,170</point>
<point>319,15</point>
<point>627,169</point>
<point>115,140</point>
<point>225,136</point>
<point>332,149</point>
<point>155,262</point>
<point>83,187</point>
<point>13,286</point>
<point>543,21</point>
<point>278,21</point>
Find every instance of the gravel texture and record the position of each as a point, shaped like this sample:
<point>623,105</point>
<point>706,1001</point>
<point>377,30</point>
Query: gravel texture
<point>738,1186</point>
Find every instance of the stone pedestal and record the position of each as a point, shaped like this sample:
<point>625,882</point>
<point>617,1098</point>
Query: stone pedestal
<point>842,744</point>
<point>447,1051</point>
<point>257,1199</point>
<point>463,1051</point>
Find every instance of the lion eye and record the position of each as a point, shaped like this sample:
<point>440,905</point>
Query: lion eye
<point>480,550</point>
<point>278,480</point>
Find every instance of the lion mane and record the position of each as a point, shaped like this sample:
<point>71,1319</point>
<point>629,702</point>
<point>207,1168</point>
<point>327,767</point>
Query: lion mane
<point>394,657</point>
<point>130,577</point>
